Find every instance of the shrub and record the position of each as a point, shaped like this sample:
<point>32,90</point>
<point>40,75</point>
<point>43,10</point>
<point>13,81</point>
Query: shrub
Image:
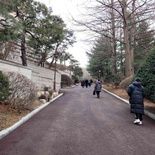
<point>23,91</point>
<point>5,91</point>
<point>147,74</point>
<point>51,92</point>
<point>75,79</point>
<point>46,88</point>
<point>113,79</point>
<point>124,84</point>
<point>66,80</point>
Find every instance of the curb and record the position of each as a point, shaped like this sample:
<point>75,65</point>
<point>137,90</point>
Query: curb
<point>69,87</point>
<point>149,114</point>
<point>5,132</point>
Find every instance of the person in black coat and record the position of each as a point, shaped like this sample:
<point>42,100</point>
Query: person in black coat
<point>98,87</point>
<point>82,83</point>
<point>86,83</point>
<point>136,93</point>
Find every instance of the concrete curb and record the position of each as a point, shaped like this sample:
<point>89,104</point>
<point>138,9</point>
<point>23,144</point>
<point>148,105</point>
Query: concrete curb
<point>5,132</point>
<point>69,87</point>
<point>149,114</point>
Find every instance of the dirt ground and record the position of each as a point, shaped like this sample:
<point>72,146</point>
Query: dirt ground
<point>149,106</point>
<point>8,116</point>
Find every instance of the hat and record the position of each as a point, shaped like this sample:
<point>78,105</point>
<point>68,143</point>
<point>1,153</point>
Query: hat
<point>138,79</point>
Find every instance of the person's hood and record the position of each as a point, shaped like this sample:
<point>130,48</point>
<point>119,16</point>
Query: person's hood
<point>99,82</point>
<point>137,83</point>
<point>137,79</point>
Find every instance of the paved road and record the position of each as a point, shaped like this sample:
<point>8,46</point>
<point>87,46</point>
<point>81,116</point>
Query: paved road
<point>78,123</point>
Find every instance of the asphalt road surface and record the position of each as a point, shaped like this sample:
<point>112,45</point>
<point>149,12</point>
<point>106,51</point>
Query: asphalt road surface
<point>78,123</point>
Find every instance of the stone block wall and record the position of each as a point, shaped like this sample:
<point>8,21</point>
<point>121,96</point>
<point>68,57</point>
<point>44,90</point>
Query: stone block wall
<point>9,66</point>
<point>45,77</point>
<point>42,77</point>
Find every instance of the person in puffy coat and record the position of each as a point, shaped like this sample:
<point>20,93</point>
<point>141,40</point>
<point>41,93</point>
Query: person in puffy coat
<point>98,87</point>
<point>136,93</point>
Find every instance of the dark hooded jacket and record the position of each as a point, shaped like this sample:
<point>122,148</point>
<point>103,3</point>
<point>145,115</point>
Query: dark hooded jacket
<point>136,93</point>
<point>98,86</point>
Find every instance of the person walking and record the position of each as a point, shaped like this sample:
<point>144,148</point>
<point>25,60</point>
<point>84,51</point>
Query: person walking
<point>86,83</point>
<point>82,83</point>
<point>98,87</point>
<point>136,93</point>
<point>89,83</point>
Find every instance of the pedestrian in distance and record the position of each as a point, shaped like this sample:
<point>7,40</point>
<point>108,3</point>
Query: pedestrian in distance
<point>82,83</point>
<point>98,87</point>
<point>89,83</point>
<point>136,93</point>
<point>86,83</point>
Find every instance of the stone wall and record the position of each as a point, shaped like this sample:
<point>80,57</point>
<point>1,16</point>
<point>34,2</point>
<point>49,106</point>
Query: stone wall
<point>9,66</point>
<point>42,77</point>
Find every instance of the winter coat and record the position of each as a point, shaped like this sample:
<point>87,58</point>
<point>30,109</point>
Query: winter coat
<point>98,86</point>
<point>82,83</point>
<point>136,93</point>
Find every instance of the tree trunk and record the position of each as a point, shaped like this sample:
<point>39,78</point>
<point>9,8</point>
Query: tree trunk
<point>132,35</point>
<point>55,52</point>
<point>128,61</point>
<point>43,58</point>
<point>23,52</point>
<point>121,55</point>
<point>114,68</point>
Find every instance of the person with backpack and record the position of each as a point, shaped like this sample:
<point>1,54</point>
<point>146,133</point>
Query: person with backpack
<point>98,87</point>
<point>136,93</point>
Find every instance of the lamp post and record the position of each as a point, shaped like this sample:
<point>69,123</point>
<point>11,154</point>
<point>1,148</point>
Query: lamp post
<point>56,54</point>
<point>63,55</point>
<point>99,74</point>
<point>54,82</point>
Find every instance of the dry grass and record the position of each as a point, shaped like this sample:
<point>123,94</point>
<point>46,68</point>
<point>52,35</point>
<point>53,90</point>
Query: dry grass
<point>8,116</point>
<point>150,106</point>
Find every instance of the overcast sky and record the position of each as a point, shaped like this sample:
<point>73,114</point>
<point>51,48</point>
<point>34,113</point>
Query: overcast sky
<point>66,8</point>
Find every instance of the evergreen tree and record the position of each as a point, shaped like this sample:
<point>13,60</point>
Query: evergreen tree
<point>4,87</point>
<point>28,12</point>
<point>100,58</point>
<point>78,71</point>
<point>144,41</point>
<point>46,33</point>
<point>10,28</point>
<point>147,73</point>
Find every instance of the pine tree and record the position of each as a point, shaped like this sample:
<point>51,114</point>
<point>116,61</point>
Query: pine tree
<point>143,44</point>
<point>147,73</point>
<point>4,87</point>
